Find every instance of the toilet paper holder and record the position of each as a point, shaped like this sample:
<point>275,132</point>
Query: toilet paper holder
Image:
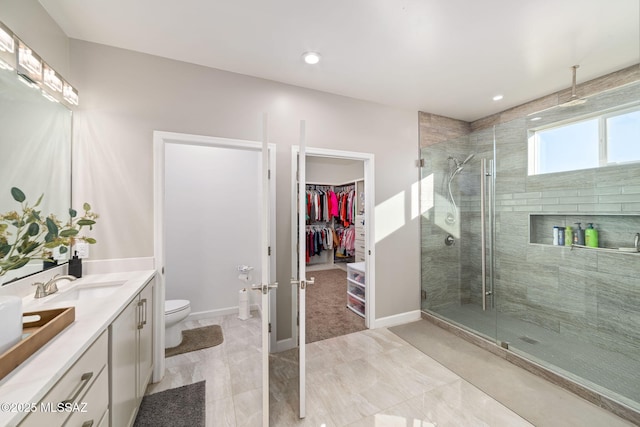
<point>243,273</point>
<point>244,269</point>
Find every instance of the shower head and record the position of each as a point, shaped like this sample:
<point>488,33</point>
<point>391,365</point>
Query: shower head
<point>460,164</point>
<point>468,159</point>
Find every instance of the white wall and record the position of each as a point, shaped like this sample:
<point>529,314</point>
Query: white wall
<point>212,223</point>
<point>128,95</point>
<point>333,171</point>
<point>125,96</point>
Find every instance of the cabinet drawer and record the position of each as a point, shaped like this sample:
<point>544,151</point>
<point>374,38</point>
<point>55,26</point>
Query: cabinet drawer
<point>93,405</point>
<point>356,277</point>
<point>73,385</point>
<point>359,234</point>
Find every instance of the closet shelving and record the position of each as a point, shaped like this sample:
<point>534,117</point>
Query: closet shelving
<point>356,287</point>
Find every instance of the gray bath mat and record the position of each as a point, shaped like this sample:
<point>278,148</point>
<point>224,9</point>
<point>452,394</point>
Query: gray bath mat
<point>197,339</point>
<point>177,407</point>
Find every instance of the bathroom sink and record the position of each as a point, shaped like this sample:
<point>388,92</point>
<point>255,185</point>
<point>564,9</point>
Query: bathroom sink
<point>89,291</point>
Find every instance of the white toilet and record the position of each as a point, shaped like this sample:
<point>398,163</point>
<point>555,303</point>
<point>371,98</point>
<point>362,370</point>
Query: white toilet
<point>175,311</point>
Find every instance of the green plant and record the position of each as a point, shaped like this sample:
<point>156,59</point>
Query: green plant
<point>28,235</point>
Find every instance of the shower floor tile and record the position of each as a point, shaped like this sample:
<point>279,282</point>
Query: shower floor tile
<point>610,372</point>
<point>532,397</point>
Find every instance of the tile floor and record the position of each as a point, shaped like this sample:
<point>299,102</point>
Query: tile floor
<point>232,371</point>
<point>613,372</point>
<point>368,378</point>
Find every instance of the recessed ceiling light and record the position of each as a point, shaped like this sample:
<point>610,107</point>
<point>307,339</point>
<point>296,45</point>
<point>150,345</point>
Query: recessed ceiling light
<point>311,57</point>
<point>497,97</point>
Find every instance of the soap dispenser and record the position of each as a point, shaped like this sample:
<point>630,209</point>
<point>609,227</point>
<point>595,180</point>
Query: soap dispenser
<point>591,236</point>
<point>578,235</point>
<point>75,266</point>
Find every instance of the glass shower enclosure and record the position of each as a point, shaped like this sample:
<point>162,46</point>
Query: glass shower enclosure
<point>490,266</point>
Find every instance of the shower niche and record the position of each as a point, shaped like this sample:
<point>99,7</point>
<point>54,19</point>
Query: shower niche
<point>615,231</point>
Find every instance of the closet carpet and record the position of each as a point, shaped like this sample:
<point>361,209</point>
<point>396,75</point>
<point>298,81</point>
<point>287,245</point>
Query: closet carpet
<point>327,314</point>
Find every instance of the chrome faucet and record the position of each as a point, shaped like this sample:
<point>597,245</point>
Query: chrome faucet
<point>44,289</point>
<point>636,242</point>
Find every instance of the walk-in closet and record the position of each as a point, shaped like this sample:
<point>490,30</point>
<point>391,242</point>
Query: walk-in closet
<point>335,237</point>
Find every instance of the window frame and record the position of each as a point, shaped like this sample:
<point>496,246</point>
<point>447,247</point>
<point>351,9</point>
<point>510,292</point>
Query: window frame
<point>603,143</point>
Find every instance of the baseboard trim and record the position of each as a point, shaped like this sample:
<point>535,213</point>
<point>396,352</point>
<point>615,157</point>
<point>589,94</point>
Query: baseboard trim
<point>207,314</point>
<point>286,344</point>
<point>397,319</point>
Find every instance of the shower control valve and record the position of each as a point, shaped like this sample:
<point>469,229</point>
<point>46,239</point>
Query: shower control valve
<point>449,240</point>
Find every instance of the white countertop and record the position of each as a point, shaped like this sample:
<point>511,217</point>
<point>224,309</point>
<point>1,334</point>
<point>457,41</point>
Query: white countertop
<point>30,381</point>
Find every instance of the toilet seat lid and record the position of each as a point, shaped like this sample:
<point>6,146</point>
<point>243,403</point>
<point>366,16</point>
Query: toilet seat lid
<point>173,305</point>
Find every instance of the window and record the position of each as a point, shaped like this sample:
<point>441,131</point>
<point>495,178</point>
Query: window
<point>603,140</point>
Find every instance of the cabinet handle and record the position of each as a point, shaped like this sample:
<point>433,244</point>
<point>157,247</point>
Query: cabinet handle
<point>87,423</point>
<point>140,324</point>
<point>144,319</point>
<point>84,380</point>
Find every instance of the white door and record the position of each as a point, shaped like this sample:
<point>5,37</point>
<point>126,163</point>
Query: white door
<point>265,285</point>
<point>300,281</point>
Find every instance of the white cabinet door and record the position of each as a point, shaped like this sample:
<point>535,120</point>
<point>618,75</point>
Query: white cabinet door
<point>145,338</point>
<point>123,365</point>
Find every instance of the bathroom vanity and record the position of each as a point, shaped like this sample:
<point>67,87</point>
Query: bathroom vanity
<point>95,371</point>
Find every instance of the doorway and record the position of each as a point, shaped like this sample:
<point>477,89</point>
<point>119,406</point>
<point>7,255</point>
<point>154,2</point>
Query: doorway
<point>212,230</point>
<point>335,231</point>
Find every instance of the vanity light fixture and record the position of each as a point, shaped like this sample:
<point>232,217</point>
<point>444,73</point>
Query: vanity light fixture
<point>32,70</point>
<point>51,79</point>
<point>29,63</point>
<point>535,119</point>
<point>69,94</point>
<point>497,97</point>
<point>311,58</point>
<point>7,48</point>
<point>7,43</point>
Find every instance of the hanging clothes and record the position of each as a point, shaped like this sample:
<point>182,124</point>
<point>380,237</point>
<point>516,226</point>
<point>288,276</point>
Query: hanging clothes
<point>321,203</point>
<point>318,239</point>
<point>346,243</point>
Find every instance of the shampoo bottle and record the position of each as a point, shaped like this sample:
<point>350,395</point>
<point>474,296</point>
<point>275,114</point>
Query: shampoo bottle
<point>578,235</point>
<point>568,236</point>
<point>561,236</point>
<point>555,235</point>
<point>591,236</point>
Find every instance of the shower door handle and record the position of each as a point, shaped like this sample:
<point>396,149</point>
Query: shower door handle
<point>487,170</point>
<point>483,231</point>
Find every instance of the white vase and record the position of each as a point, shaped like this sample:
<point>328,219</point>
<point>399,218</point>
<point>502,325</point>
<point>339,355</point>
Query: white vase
<point>10,322</point>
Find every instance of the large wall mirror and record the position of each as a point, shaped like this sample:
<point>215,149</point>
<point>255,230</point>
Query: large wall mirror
<point>35,156</point>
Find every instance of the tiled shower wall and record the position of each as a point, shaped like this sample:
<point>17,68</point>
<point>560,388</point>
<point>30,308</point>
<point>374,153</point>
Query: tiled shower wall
<point>593,295</point>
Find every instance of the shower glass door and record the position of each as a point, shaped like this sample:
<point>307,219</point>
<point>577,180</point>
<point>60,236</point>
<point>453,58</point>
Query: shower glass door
<point>456,252</point>
<point>569,308</point>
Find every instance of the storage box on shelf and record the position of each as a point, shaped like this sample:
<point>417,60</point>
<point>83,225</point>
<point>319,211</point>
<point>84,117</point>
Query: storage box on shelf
<point>356,287</point>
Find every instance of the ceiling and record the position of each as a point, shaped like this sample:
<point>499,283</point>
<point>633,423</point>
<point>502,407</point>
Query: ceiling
<point>447,57</point>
